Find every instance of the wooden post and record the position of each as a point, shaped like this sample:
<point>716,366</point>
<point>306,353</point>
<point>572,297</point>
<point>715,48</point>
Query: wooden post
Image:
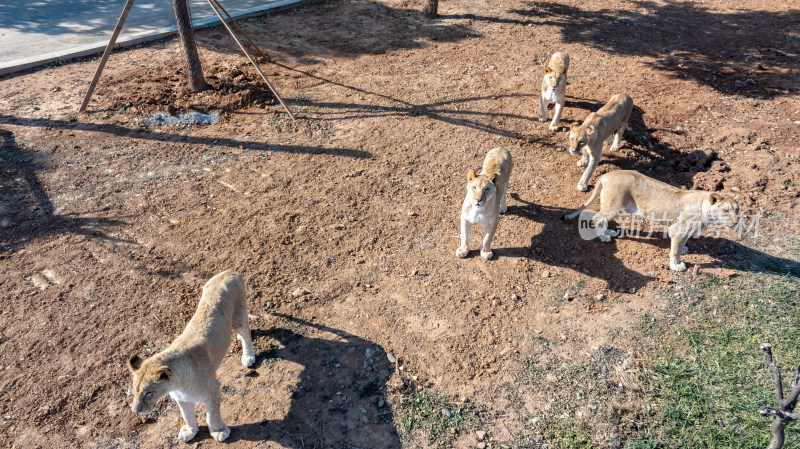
<point>241,30</point>
<point>106,54</point>
<point>252,61</point>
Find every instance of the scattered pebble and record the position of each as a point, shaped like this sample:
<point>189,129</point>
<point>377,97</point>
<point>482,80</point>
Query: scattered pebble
<point>364,420</point>
<point>632,290</point>
<point>514,297</point>
<point>381,402</point>
<point>481,434</point>
<point>297,292</point>
<point>600,297</point>
<point>545,274</point>
<point>481,445</point>
<point>446,412</point>
<point>568,296</point>
<point>412,27</point>
<point>391,357</point>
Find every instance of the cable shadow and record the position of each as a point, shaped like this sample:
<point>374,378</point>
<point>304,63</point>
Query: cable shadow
<point>335,403</point>
<point>26,211</point>
<point>168,137</point>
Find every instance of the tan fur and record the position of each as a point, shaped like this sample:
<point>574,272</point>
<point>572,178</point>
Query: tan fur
<point>687,212</point>
<point>485,200</point>
<point>554,87</point>
<point>187,369</point>
<point>598,126</point>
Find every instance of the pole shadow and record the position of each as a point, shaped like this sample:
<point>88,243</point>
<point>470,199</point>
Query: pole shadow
<point>26,211</point>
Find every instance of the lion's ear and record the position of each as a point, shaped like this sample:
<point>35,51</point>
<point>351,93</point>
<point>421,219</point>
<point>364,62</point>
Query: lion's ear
<point>574,126</point>
<point>714,198</point>
<point>547,69</point>
<point>471,174</point>
<point>134,363</point>
<point>563,70</point>
<point>494,179</point>
<point>590,129</point>
<point>163,373</point>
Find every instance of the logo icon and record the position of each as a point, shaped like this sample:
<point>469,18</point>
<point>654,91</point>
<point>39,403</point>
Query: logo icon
<point>591,225</point>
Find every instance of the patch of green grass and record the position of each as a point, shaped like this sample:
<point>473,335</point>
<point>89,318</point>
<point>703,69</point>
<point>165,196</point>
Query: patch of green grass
<point>422,413</point>
<point>568,434</point>
<point>709,376</point>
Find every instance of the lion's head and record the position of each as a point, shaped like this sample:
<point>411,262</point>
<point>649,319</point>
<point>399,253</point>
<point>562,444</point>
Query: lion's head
<point>150,382</point>
<point>723,209</point>
<point>580,136</point>
<point>480,189</point>
<point>554,78</point>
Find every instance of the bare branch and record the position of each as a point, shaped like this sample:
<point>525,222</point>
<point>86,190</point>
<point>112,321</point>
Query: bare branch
<point>776,370</point>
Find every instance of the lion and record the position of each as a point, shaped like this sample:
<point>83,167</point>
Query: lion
<point>686,212</point>
<point>485,200</point>
<point>554,87</point>
<point>598,126</point>
<point>186,370</point>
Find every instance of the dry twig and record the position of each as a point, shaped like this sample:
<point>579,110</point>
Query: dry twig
<point>784,414</point>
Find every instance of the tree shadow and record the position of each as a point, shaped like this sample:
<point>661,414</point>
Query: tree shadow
<point>147,134</point>
<point>26,211</point>
<point>750,53</point>
<point>335,403</point>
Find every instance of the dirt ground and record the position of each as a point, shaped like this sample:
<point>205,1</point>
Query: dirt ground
<point>344,222</point>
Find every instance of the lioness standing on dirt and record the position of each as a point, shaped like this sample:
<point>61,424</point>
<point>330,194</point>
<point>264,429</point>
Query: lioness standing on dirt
<point>554,87</point>
<point>686,212</point>
<point>598,126</point>
<point>187,369</point>
<point>485,200</point>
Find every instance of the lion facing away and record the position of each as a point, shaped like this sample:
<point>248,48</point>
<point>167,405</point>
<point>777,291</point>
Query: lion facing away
<point>485,200</point>
<point>187,369</point>
<point>687,212</point>
<point>598,126</point>
<point>554,87</point>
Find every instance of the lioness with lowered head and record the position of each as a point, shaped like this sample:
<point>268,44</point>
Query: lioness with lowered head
<point>554,87</point>
<point>598,126</point>
<point>485,200</point>
<point>687,212</point>
<point>187,369</point>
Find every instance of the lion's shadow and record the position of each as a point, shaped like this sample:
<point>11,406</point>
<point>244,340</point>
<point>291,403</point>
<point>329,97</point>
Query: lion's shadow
<point>339,399</point>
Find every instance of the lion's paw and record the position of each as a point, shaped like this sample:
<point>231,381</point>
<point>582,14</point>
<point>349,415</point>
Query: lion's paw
<point>677,267</point>
<point>186,433</point>
<point>461,253</point>
<point>503,209</point>
<point>248,359</point>
<point>541,119</point>
<point>221,435</point>
<point>583,187</point>
<point>604,238</point>
<point>553,128</point>
<point>582,163</point>
<point>612,149</point>
<point>486,254</point>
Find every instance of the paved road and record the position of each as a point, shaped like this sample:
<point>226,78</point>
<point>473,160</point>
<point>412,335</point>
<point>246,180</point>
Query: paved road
<point>35,32</point>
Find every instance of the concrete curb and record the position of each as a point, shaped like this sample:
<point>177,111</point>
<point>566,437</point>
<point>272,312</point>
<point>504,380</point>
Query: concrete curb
<point>128,40</point>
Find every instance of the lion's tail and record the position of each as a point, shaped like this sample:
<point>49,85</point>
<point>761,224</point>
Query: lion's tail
<point>588,202</point>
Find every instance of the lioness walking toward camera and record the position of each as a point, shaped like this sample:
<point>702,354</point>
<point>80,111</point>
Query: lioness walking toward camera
<point>598,126</point>
<point>554,87</point>
<point>485,200</point>
<point>187,369</point>
<point>686,212</point>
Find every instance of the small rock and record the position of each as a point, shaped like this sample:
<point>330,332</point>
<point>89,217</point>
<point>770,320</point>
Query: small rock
<point>568,296</point>
<point>481,445</point>
<point>381,402</point>
<point>446,412</point>
<point>391,357</point>
<point>412,27</point>
<point>632,290</point>
<point>297,292</point>
<point>600,297</point>
<point>545,274</point>
<point>514,297</point>
<point>480,434</point>
<point>414,272</point>
<point>364,420</point>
